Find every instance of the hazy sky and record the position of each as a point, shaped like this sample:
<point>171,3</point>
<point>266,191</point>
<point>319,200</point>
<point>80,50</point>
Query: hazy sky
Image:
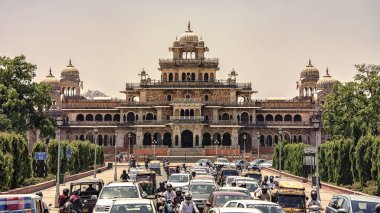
<point>267,42</point>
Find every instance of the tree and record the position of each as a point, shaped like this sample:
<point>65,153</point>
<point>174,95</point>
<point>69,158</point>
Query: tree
<point>23,103</point>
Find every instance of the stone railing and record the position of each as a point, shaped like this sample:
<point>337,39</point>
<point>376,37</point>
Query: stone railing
<point>186,119</point>
<point>206,62</point>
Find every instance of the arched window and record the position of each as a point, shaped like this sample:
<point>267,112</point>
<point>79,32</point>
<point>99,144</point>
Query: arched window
<point>149,117</point>
<point>278,118</point>
<point>205,77</point>
<point>192,76</point>
<point>170,77</point>
<point>260,118</point>
<point>297,118</point>
<point>187,112</point>
<point>108,117</point>
<point>98,117</point>
<point>244,117</point>
<point>130,117</point>
<point>288,118</point>
<point>269,118</point>
<point>225,116</point>
<point>80,117</point>
<point>206,97</point>
<point>191,112</point>
<point>182,112</point>
<point>299,139</point>
<point>187,96</point>
<point>89,117</point>
<point>169,98</point>
<point>116,117</point>
<point>183,76</point>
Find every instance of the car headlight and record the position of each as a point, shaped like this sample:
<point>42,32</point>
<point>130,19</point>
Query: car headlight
<point>100,208</point>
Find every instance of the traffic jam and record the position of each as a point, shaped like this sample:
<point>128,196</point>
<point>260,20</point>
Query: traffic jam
<point>209,187</point>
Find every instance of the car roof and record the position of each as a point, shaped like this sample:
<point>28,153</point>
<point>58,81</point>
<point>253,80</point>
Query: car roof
<point>240,210</point>
<point>361,197</point>
<point>177,174</point>
<point>232,187</point>
<point>132,201</point>
<point>255,202</point>
<point>205,181</point>
<point>121,184</point>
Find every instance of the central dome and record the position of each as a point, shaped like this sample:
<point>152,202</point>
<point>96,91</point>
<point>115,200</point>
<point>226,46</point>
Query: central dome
<point>70,70</point>
<point>189,36</point>
<point>310,72</point>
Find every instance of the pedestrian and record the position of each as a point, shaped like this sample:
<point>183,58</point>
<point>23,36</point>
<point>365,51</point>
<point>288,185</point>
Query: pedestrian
<point>44,204</point>
<point>63,198</point>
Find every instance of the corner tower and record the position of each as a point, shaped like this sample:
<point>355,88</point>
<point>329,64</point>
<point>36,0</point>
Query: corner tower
<point>309,77</point>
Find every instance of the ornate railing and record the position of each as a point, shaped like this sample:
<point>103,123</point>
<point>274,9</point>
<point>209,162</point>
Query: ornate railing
<point>187,100</point>
<point>189,84</point>
<point>206,62</point>
<point>187,119</point>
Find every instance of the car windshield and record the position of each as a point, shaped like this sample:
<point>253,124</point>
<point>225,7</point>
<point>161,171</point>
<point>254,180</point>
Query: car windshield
<point>230,179</point>
<point>363,206</point>
<point>222,160</point>
<point>267,208</point>
<point>179,178</point>
<point>144,208</point>
<point>252,186</point>
<point>202,161</point>
<point>119,192</point>
<point>230,173</point>
<point>222,199</point>
<point>255,176</point>
<point>202,189</point>
<point>238,189</point>
<point>291,201</point>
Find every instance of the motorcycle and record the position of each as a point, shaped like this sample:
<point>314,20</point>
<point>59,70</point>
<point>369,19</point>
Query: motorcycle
<point>315,209</point>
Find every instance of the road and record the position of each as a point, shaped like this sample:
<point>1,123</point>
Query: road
<point>108,176</point>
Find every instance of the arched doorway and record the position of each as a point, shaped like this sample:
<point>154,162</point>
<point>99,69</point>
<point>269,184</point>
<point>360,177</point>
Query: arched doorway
<point>226,139</point>
<point>157,138</point>
<point>206,141</point>
<point>216,137</point>
<point>167,139</point>
<point>244,118</point>
<point>247,141</point>
<point>147,139</point>
<point>130,117</point>
<point>131,140</point>
<point>187,139</point>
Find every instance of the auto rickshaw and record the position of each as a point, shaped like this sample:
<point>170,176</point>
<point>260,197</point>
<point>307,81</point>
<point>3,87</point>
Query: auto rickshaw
<point>89,192</point>
<point>256,174</point>
<point>147,181</point>
<point>155,166</point>
<point>290,195</point>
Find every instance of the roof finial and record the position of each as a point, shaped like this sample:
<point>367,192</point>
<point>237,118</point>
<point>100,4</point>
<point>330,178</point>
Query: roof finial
<point>310,62</point>
<point>327,71</point>
<point>176,38</point>
<point>50,74</point>
<point>70,63</point>
<point>188,26</point>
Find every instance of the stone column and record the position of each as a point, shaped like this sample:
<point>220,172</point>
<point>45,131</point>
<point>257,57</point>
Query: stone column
<point>159,114</point>
<point>139,137</point>
<point>235,137</point>
<point>234,115</point>
<point>215,115</point>
<point>120,138</point>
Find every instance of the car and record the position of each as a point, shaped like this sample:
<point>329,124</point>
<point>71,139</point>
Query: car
<point>201,190</point>
<point>229,180</point>
<point>179,180</point>
<point>236,189</point>
<point>21,203</point>
<point>233,210</point>
<point>204,161</point>
<point>257,162</point>
<point>133,205</point>
<point>242,163</point>
<point>263,206</point>
<point>242,179</point>
<point>219,198</point>
<point>224,173</point>
<point>352,203</point>
<point>252,186</point>
<point>204,177</point>
<point>222,162</point>
<point>266,164</point>
<point>116,190</point>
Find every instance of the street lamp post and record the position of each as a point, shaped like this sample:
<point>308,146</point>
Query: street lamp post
<point>279,160</point>
<point>96,136</point>
<point>244,140</point>
<point>59,122</point>
<point>154,148</point>
<point>115,173</point>
<point>317,128</point>
<point>129,149</point>
<point>216,142</point>
<point>258,145</point>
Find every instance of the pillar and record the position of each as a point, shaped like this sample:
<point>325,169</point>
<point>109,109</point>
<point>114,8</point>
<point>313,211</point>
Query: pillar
<point>159,114</point>
<point>235,137</point>
<point>215,115</point>
<point>120,138</point>
<point>139,137</point>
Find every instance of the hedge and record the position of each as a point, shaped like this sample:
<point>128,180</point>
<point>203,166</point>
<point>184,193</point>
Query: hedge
<point>292,158</point>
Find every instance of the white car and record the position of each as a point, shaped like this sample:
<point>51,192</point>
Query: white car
<point>117,190</point>
<point>179,180</point>
<point>252,186</point>
<point>266,164</point>
<point>236,189</point>
<point>263,206</point>
<point>233,210</point>
<point>222,162</point>
<point>242,179</point>
<point>133,205</point>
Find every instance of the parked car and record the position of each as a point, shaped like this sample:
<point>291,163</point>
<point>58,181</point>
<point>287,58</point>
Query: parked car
<point>179,180</point>
<point>352,203</point>
<point>219,198</point>
<point>263,206</point>
<point>116,190</point>
<point>266,164</point>
<point>133,206</point>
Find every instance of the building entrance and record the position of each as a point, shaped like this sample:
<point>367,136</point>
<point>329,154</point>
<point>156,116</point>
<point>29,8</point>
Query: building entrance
<point>187,139</point>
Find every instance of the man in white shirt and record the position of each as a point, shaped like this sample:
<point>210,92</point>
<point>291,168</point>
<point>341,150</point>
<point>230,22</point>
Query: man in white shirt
<point>188,206</point>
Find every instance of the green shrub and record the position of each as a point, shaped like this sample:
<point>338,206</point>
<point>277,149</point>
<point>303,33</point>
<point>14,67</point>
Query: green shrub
<point>6,171</point>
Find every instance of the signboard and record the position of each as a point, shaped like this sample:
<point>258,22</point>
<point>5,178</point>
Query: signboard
<point>310,149</point>
<point>68,152</point>
<point>40,156</point>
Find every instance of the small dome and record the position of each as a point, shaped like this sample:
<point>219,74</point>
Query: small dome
<point>69,70</point>
<point>326,82</point>
<point>50,79</point>
<point>188,36</point>
<point>176,42</point>
<point>310,72</point>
